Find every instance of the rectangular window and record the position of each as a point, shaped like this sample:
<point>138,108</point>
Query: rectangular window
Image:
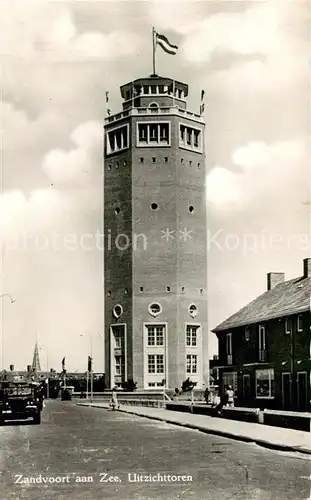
<point>142,133</point>
<point>161,89</point>
<point>155,363</point>
<point>155,335</point>
<point>265,383</point>
<point>299,323</point>
<point>191,335</point>
<point>288,326</point>
<point>159,335</point>
<point>151,336</point>
<point>146,89</point>
<point>229,344</point>
<point>153,89</point>
<point>247,334</point>
<point>164,131</point>
<point>190,138</point>
<point>151,363</point>
<point>160,363</point>
<point>230,378</point>
<point>153,134</point>
<point>151,384</point>
<point>117,139</point>
<point>262,343</point>
<point>192,364</point>
<point>118,365</point>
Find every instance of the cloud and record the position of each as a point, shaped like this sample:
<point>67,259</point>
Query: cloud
<point>47,31</point>
<point>62,166</point>
<point>254,31</point>
<point>265,168</point>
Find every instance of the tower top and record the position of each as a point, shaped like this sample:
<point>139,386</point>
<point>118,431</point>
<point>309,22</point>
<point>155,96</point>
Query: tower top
<point>36,359</point>
<point>153,85</point>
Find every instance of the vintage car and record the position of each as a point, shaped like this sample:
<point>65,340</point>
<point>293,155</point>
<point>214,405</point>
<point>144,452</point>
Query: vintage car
<point>20,401</point>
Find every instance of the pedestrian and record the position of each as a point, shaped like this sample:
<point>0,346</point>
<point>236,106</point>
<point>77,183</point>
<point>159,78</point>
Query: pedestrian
<point>223,399</point>
<point>114,399</point>
<point>206,395</point>
<point>230,396</point>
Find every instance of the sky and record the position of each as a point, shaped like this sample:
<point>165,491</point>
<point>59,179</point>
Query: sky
<point>57,61</point>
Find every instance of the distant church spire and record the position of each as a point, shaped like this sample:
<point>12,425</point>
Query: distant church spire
<point>36,360</point>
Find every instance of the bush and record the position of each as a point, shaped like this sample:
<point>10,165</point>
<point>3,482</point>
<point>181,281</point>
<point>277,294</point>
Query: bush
<point>129,386</point>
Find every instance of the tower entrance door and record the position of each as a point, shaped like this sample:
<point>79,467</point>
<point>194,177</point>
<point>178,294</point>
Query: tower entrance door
<point>118,355</point>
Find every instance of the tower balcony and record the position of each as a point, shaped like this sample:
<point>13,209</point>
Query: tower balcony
<point>158,111</point>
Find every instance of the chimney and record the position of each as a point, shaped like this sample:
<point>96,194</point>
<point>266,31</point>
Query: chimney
<point>274,279</point>
<point>307,268</point>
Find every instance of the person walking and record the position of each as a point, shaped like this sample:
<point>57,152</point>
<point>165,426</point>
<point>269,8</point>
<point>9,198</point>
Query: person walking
<point>114,399</point>
<point>206,395</point>
<point>223,399</point>
<point>230,396</point>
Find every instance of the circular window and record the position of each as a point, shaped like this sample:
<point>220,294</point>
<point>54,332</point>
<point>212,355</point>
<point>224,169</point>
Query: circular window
<point>117,210</point>
<point>117,311</point>
<point>191,208</point>
<point>155,309</point>
<point>154,206</point>
<point>193,310</point>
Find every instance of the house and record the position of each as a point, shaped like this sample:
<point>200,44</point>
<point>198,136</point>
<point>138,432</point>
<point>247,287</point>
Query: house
<point>264,348</point>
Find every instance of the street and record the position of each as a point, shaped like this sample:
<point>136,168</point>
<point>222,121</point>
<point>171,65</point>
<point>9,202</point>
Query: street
<point>81,453</point>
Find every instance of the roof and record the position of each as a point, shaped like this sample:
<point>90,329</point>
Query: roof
<point>290,297</point>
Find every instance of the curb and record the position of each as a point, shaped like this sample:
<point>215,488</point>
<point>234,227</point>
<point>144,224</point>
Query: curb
<point>215,432</point>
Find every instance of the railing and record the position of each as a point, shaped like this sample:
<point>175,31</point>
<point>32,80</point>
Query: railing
<point>165,110</point>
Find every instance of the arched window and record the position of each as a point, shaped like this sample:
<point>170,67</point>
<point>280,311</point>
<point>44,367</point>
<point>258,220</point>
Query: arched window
<point>154,107</point>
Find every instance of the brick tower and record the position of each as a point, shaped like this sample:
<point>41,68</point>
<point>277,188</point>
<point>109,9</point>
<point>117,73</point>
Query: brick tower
<point>155,257</point>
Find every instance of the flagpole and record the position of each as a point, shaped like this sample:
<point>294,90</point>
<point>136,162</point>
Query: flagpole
<point>154,49</point>
<point>174,91</point>
<point>87,383</point>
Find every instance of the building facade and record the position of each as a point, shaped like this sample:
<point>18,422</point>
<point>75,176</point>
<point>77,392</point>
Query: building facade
<point>155,256</point>
<point>265,350</point>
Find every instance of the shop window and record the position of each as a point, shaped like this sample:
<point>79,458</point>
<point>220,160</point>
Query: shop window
<point>265,383</point>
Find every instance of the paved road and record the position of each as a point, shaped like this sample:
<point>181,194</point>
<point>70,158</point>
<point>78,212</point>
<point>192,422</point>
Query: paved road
<point>74,442</point>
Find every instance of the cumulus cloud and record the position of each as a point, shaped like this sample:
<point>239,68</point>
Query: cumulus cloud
<point>254,31</point>
<point>265,167</point>
<point>48,31</point>
<point>69,166</point>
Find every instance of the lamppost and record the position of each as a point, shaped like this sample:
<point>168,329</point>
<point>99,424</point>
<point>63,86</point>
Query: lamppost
<point>2,295</point>
<point>82,335</point>
<point>43,347</point>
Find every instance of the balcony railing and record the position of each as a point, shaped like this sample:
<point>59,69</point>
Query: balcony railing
<point>165,110</point>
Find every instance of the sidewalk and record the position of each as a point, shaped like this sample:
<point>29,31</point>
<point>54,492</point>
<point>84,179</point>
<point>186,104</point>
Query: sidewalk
<point>264,435</point>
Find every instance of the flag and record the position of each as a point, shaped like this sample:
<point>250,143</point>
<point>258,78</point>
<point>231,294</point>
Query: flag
<point>108,112</point>
<point>63,363</point>
<point>164,43</point>
<point>202,107</point>
<point>202,94</point>
<point>107,96</point>
<point>89,364</point>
